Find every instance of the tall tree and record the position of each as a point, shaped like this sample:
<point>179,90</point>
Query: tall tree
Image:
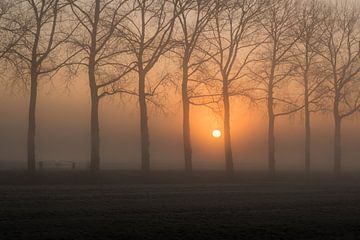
<point>103,54</point>
<point>306,59</point>
<point>232,37</point>
<point>148,32</point>
<point>37,54</point>
<point>193,17</point>
<point>275,65</point>
<point>340,53</point>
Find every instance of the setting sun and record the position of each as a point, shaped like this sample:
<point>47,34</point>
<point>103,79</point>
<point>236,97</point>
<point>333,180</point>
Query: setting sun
<point>216,133</point>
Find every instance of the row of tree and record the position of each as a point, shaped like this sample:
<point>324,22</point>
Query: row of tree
<point>291,55</point>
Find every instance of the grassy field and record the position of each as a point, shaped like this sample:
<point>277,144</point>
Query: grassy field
<point>122,205</point>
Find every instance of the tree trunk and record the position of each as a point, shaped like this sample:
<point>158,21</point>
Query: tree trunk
<point>337,145</point>
<point>227,134</point>
<point>94,119</point>
<point>186,135</point>
<point>186,121</point>
<point>32,104</point>
<point>271,115</point>
<point>144,128</point>
<point>271,135</point>
<point>32,124</point>
<point>307,140</point>
<point>95,135</point>
<point>271,143</point>
<point>307,125</point>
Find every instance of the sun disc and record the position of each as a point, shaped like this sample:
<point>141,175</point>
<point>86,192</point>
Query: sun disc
<point>216,133</point>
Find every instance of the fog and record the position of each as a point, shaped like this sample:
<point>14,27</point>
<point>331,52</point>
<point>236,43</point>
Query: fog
<point>63,133</point>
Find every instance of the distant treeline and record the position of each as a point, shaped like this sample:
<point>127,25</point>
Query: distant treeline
<point>287,55</point>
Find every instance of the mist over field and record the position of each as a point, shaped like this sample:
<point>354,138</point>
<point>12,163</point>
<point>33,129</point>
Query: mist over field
<point>63,125</point>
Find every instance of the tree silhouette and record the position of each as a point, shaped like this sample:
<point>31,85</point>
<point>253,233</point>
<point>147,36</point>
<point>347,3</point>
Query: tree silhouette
<point>148,33</point>
<point>37,52</point>
<point>275,65</point>
<point>231,36</point>
<point>306,60</point>
<point>193,17</point>
<point>102,53</point>
<point>340,53</point>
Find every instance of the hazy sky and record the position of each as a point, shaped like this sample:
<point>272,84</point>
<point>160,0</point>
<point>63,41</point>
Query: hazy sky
<point>63,133</point>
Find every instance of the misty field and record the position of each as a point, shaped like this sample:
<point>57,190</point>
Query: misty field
<point>211,207</point>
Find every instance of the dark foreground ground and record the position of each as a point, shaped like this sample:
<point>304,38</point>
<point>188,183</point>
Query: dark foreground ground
<point>171,205</point>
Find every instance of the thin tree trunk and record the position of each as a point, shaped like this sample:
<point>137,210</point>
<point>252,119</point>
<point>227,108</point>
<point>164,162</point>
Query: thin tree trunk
<point>307,140</point>
<point>337,145</point>
<point>186,136</point>
<point>94,121</point>
<point>95,135</point>
<point>227,134</point>
<point>307,126</point>
<point>271,143</point>
<point>144,128</point>
<point>271,116</point>
<point>186,121</point>
<point>32,105</point>
<point>337,133</point>
<point>271,127</point>
<point>271,135</point>
<point>32,125</point>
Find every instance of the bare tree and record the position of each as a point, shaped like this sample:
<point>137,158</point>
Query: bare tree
<point>148,32</point>
<point>103,54</point>
<point>232,38</point>
<point>306,60</point>
<point>193,17</point>
<point>275,65</point>
<point>37,53</point>
<point>340,53</point>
